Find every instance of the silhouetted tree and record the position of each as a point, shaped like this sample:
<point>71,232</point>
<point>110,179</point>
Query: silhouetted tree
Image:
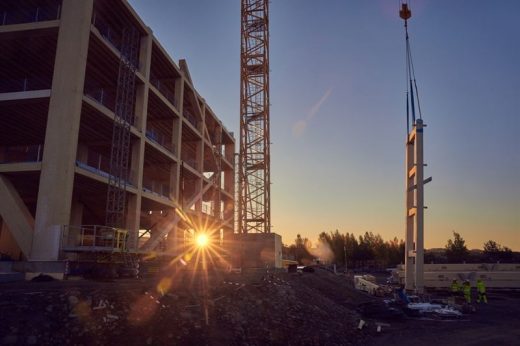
<point>456,250</point>
<point>495,252</point>
<point>395,251</point>
<point>370,250</point>
<point>301,252</point>
<point>352,247</point>
<point>288,252</point>
<point>362,250</point>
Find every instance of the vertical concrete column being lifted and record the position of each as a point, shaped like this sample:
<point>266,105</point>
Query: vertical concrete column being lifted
<point>409,241</point>
<point>61,137</point>
<point>414,248</point>
<point>419,200</point>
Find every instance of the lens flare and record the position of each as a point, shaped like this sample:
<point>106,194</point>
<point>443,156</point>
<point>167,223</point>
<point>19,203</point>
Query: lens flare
<point>202,240</point>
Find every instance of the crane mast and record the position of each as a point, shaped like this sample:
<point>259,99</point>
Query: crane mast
<point>254,205</point>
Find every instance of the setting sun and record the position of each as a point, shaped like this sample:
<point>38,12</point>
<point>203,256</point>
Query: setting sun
<point>202,240</point>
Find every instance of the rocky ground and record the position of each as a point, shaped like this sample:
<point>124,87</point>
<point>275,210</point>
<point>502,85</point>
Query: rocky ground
<point>255,308</point>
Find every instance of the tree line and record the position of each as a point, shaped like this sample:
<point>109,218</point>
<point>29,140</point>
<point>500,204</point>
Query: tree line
<point>456,251</point>
<point>371,251</point>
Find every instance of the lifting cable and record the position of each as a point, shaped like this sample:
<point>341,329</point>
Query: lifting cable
<point>411,84</point>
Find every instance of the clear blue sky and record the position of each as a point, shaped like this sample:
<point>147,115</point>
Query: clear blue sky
<point>337,115</point>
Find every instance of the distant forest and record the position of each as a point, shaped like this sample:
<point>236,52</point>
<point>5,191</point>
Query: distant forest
<point>371,251</point>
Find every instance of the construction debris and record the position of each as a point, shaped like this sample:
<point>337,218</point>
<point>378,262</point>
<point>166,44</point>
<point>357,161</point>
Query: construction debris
<point>423,307</point>
<point>448,312</point>
<point>252,308</point>
<point>282,308</point>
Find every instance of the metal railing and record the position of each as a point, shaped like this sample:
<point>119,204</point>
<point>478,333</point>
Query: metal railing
<point>157,188</point>
<point>8,85</point>
<point>100,165</point>
<point>191,119</point>
<point>93,238</point>
<point>107,98</point>
<point>103,96</point>
<point>107,32</point>
<point>96,163</point>
<point>10,16</point>
<point>191,162</point>
<point>111,35</point>
<point>163,89</point>
<point>157,137</point>
<point>21,153</point>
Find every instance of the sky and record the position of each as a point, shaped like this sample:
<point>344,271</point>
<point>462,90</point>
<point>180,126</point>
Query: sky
<point>338,121</point>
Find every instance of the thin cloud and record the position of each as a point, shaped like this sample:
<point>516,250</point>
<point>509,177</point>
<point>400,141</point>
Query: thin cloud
<point>314,110</point>
<point>300,126</point>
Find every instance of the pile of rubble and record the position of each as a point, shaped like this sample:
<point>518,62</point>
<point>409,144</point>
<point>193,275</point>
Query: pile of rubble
<point>257,309</point>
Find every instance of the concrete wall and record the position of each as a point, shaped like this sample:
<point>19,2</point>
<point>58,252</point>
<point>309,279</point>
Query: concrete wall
<point>258,250</point>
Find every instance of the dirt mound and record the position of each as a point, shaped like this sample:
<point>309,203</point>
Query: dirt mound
<point>308,308</point>
<point>254,308</point>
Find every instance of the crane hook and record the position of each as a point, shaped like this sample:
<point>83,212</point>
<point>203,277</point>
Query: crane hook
<point>405,12</point>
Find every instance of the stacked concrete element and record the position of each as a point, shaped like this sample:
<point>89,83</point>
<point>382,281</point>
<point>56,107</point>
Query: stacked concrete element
<point>257,250</point>
<point>59,74</point>
<point>495,275</point>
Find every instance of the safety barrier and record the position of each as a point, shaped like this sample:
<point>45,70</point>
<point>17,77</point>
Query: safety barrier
<point>93,238</point>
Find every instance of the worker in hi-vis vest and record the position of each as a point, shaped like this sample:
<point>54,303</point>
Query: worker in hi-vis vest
<point>481,290</point>
<point>455,287</point>
<point>466,289</point>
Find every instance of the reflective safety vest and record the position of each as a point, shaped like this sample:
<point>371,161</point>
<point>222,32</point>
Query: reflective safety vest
<point>467,289</point>
<point>481,288</point>
<point>455,287</point>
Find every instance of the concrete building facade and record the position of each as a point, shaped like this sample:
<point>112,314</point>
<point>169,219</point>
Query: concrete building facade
<point>59,68</point>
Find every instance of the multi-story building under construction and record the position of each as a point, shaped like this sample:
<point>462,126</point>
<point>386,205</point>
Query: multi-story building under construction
<point>101,132</point>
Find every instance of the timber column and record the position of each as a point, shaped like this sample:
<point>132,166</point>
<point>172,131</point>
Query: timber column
<point>61,136</point>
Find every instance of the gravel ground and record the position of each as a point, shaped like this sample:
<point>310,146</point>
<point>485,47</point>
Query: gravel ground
<point>497,323</point>
<point>254,308</point>
<point>181,308</point>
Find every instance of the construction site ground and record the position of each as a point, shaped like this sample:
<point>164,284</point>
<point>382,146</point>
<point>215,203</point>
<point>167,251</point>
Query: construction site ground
<point>253,308</point>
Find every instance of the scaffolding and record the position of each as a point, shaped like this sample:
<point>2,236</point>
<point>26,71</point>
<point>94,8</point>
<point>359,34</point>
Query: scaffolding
<point>254,158</point>
<point>217,176</point>
<point>123,119</point>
